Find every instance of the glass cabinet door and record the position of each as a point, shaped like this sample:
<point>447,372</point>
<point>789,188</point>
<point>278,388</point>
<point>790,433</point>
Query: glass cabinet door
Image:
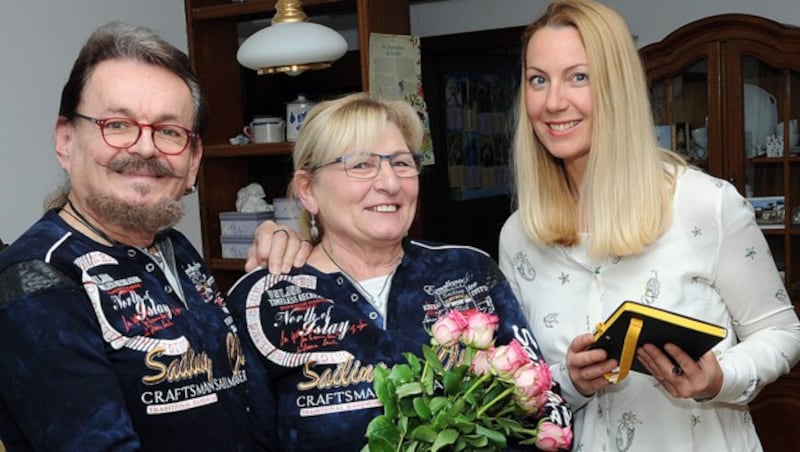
<point>762,94</point>
<point>680,112</point>
<point>770,166</point>
<point>792,146</point>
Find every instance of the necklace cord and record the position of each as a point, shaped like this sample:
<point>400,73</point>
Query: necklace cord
<point>81,218</point>
<point>75,213</point>
<point>368,294</point>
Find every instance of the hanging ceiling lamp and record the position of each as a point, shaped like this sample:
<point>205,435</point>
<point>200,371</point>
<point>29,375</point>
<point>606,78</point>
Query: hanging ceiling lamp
<point>291,44</point>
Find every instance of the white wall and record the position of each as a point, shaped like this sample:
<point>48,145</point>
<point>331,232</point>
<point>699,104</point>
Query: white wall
<point>651,20</point>
<point>40,39</point>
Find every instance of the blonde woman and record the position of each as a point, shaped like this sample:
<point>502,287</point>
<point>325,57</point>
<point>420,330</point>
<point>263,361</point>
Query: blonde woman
<point>367,294</point>
<point>605,216</point>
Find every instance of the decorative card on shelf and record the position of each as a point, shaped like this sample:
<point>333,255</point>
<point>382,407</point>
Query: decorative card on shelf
<point>770,211</point>
<point>664,136</point>
<point>486,148</point>
<point>454,103</point>
<point>680,144</point>
<point>395,73</point>
<point>634,324</point>
<point>455,159</point>
<point>472,160</point>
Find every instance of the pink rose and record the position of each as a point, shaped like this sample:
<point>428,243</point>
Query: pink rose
<point>533,379</point>
<point>506,359</point>
<point>447,330</point>
<point>532,404</point>
<point>480,363</point>
<point>553,437</point>
<point>480,329</point>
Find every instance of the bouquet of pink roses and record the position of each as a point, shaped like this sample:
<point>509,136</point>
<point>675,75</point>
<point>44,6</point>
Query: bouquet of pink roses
<point>481,397</point>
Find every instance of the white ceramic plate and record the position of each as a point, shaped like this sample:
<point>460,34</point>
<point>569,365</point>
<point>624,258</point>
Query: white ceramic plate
<point>760,117</point>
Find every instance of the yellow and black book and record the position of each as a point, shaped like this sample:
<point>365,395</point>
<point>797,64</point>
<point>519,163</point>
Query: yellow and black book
<point>634,324</point>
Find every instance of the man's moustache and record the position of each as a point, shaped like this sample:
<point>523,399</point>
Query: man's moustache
<point>134,165</point>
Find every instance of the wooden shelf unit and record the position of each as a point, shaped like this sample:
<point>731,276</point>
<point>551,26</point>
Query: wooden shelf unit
<point>234,94</point>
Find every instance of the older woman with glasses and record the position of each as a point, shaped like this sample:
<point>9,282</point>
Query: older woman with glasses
<point>367,293</point>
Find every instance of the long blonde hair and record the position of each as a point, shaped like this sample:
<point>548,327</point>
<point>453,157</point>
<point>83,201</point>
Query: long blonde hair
<point>627,190</point>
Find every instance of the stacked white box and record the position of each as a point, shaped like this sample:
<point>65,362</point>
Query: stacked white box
<point>237,230</point>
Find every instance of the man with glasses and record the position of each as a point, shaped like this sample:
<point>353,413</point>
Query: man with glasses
<point>113,333</point>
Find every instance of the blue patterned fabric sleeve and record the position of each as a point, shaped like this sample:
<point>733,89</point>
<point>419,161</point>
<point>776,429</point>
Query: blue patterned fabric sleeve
<point>66,394</point>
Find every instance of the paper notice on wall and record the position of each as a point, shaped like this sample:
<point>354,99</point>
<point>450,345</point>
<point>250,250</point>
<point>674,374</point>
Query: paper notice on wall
<point>395,73</point>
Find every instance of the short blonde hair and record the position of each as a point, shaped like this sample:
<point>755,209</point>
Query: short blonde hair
<point>626,196</point>
<point>353,123</point>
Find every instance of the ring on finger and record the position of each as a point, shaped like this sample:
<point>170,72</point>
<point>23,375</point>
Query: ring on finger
<point>677,370</point>
<point>280,230</point>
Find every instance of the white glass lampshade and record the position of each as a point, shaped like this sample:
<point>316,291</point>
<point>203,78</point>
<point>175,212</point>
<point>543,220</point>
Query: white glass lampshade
<point>291,47</point>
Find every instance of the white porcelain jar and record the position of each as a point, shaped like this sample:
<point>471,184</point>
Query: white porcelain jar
<point>296,112</point>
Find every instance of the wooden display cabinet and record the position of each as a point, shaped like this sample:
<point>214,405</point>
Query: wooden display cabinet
<point>704,74</point>
<point>235,93</point>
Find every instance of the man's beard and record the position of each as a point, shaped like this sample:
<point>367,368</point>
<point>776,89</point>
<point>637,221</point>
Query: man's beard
<point>137,217</point>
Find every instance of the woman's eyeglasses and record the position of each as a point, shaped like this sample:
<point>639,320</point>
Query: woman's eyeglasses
<point>367,166</point>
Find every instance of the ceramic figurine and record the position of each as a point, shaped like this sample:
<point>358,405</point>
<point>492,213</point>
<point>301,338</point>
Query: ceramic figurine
<point>251,199</point>
<point>239,139</point>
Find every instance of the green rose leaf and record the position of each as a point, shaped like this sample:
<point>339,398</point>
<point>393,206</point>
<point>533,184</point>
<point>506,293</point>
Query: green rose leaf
<point>409,389</point>
<point>452,379</point>
<point>510,425</point>
<point>424,433</point>
<point>476,441</point>
<point>432,359</point>
<point>444,438</point>
<point>458,407</point>
<point>379,445</point>
<point>414,362</point>
<point>438,404</point>
<point>422,408</point>
<point>406,407</point>
<point>382,434</point>
<point>464,423</point>
<point>384,389</point>
<point>402,373</point>
<point>497,438</point>
<point>427,381</point>
<point>379,380</point>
